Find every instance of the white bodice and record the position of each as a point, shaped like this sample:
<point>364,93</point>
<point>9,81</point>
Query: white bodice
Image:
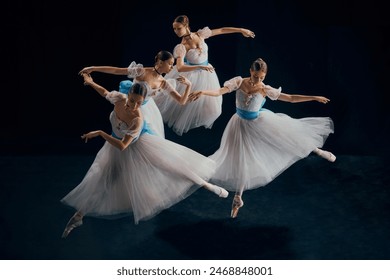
<point>136,70</point>
<point>119,127</point>
<point>192,56</point>
<point>250,102</point>
<point>198,55</point>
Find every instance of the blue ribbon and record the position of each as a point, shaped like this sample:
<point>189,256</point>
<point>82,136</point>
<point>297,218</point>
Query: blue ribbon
<point>147,129</point>
<point>247,115</point>
<point>124,86</point>
<point>202,63</point>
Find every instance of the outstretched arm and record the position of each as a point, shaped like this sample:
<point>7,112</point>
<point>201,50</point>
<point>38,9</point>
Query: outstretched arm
<point>88,81</point>
<point>227,30</point>
<point>120,144</point>
<point>105,69</point>
<point>296,98</point>
<point>217,92</point>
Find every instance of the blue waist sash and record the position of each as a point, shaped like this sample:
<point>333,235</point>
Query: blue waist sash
<point>202,63</point>
<point>147,129</point>
<point>249,115</point>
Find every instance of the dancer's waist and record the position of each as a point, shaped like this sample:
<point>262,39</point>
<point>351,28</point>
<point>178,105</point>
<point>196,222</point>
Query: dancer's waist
<point>206,62</point>
<point>249,115</point>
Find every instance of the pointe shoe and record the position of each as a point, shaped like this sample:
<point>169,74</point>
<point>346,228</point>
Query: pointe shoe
<point>236,205</point>
<point>221,192</point>
<point>327,155</point>
<point>73,223</point>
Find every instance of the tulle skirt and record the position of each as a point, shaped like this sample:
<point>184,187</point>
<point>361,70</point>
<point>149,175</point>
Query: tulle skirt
<point>202,112</point>
<point>253,152</point>
<point>153,117</point>
<point>149,176</point>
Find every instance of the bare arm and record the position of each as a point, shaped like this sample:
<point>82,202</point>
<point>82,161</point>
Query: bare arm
<point>216,92</point>
<point>296,98</point>
<point>228,30</point>
<point>105,69</point>
<point>120,144</point>
<point>88,81</point>
<point>181,99</point>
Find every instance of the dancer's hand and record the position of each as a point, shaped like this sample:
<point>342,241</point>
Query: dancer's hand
<point>90,135</point>
<point>208,68</point>
<point>87,70</point>
<point>183,80</point>
<point>87,79</point>
<point>248,33</point>
<point>322,99</point>
<point>194,95</point>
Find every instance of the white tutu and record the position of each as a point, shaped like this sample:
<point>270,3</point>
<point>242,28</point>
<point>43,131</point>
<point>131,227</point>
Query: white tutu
<point>149,176</point>
<point>260,144</point>
<point>205,110</point>
<point>253,152</point>
<point>202,112</point>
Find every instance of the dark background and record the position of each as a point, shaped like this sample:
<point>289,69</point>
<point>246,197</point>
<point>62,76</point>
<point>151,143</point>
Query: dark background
<point>314,210</point>
<point>339,49</point>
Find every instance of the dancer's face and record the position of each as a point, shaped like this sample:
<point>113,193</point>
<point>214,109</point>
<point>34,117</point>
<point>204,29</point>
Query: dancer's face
<point>167,65</point>
<point>180,29</point>
<point>257,76</point>
<point>134,101</point>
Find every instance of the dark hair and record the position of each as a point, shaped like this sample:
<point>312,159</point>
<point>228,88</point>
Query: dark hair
<point>139,89</point>
<point>183,19</point>
<point>163,56</point>
<point>258,65</point>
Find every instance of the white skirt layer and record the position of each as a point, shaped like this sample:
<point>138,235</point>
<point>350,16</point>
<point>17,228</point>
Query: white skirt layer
<point>149,176</point>
<point>253,152</point>
<point>202,112</point>
<point>153,117</point>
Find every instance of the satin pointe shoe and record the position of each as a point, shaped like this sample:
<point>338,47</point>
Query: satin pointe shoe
<point>73,223</point>
<point>221,192</point>
<point>236,205</point>
<point>326,155</point>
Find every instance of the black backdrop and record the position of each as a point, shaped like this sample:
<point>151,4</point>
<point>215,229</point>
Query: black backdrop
<point>339,49</point>
<point>316,210</point>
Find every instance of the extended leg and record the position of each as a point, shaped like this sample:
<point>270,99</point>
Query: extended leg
<point>237,202</point>
<point>325,154</point>
<point>75,221</point>
<point>221,192</point>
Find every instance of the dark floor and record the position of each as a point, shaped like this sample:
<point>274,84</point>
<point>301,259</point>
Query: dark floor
<point>315,210</point>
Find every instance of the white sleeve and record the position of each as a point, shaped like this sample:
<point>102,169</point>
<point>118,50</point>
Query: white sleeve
<point>179,50</point>
<point>135,70</point>
<point>273,93</point>
<point>204,32</point>
<point>233,84</point>
<point>115,96</point>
